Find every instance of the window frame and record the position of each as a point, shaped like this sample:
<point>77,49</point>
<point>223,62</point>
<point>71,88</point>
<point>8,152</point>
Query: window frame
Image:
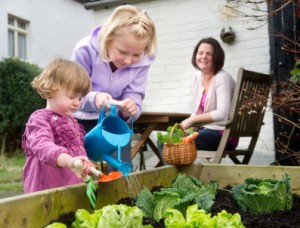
<point>18,31</point>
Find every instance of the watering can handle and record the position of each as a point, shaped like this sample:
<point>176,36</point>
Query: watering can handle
<point>119,103</point>
<point>102,113</point>
<point>113,104</point>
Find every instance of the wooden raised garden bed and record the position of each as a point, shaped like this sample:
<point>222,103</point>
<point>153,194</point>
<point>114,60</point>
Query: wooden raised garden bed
<point>38,209</point>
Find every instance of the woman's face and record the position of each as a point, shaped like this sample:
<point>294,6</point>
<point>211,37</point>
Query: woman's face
<point>126,49</point>
<point>204,57</point>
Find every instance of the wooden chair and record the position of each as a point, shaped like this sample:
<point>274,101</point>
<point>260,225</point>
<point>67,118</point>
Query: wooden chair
<point>245,117</point>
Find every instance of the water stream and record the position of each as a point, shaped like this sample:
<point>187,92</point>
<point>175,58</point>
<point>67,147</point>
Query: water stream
<point>133,186</point>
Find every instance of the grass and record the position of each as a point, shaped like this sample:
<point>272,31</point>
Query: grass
<point>11,173</point>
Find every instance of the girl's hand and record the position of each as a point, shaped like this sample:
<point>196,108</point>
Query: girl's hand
<point>67,161</point>
<point>101,99</point>
<point>128,108</point>
<point>86,164</point>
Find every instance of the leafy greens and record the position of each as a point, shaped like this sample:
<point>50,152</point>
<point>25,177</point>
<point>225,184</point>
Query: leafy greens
<point>176,136</point>
<point>199,218</point>
<point>264,195</point>
<point>183,192</point>
<point>114,216</point>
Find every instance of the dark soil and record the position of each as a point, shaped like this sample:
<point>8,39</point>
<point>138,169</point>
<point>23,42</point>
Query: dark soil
<point>224,201</point>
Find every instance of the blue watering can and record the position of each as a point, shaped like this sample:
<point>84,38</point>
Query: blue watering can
<point>110,134</point>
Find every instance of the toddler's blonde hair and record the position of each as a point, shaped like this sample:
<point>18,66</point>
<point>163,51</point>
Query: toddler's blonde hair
<point>139,24</point>
<point>62,74</point>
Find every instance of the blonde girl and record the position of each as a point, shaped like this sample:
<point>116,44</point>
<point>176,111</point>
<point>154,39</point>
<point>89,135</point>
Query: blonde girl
<point>117,56</point>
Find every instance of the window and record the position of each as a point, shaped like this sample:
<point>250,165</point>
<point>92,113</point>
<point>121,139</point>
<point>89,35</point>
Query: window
<point>17,37</point>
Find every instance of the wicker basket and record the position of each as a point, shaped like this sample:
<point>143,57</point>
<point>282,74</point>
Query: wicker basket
<point>179,153</point>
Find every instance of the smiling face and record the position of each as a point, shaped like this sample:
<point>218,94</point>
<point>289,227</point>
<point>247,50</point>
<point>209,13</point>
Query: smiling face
<point>64,103</point>
<point>204,58</point>
<point>126,49</point>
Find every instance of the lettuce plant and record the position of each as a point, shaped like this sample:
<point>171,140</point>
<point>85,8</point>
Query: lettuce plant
<point>199,218</point>
<point>113,216</point>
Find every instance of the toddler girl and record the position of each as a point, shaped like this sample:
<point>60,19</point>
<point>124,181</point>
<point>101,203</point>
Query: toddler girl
<point>53,139</point>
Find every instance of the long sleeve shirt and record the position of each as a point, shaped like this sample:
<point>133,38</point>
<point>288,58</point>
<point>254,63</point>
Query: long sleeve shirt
<point>47,135</point>
<point>218,97</point>
<point>128,82</point>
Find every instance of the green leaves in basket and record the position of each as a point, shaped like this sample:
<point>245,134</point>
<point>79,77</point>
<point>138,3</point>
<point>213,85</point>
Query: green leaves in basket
<point>177,135</point>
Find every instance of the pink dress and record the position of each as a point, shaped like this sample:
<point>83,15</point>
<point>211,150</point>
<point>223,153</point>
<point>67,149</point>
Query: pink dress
<point>47,135</point>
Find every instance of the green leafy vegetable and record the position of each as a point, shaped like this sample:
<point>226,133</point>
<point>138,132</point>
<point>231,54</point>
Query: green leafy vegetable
<point>83,219</point>
<point>113,216</point>
<point>199,218</point>
<point>146,202</point>
<point>120,216</point>
<point>56,225</point>
<point>177,135</point>
<point>184,191</point>
<point>204,195</point>
<point>264,195</point>
<point>192,184</point>
<point>163,201</point>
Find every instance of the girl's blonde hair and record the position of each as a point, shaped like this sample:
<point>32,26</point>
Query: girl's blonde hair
<point>62,74</point>
<point>139,23</point>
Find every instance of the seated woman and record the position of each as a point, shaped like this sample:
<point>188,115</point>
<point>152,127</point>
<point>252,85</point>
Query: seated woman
<point>212,94</point>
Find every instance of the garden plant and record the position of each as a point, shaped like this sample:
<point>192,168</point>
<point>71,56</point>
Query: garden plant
<point>17,101</point>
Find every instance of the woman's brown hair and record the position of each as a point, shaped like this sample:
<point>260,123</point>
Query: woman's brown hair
<point>218,54</point>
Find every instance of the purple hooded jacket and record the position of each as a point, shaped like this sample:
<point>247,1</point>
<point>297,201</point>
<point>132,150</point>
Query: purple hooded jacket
<point>129,82</point>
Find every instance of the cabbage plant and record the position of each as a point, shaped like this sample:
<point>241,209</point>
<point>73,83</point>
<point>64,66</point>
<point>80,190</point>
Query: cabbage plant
<point>264,195</point>
<point>184,192</point>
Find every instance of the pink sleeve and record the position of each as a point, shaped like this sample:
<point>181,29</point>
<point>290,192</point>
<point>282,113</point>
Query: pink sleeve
<point>38,140</point>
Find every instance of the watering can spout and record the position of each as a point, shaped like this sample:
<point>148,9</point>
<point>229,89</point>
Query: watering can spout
<point>124,167</point>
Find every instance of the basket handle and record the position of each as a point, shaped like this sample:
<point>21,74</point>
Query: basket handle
<point>173,128</point>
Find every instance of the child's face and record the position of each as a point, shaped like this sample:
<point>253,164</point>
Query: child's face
<point>64,103</point>
<point>126,49</point>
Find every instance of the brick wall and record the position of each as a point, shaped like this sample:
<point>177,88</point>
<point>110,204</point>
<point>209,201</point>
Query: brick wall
<point>180,25</point>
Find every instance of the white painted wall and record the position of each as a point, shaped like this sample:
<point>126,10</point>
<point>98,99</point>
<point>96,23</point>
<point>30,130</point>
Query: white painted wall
<point>180,25</point>
<point>56,25</point>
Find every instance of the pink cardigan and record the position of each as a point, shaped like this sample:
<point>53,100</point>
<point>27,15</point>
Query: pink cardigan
<point>47,135</point>
<point>218,98</point>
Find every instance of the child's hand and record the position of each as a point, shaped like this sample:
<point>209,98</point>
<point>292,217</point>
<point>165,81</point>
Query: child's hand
<point>67,161</point>
<point>128,108</point>
<point>101,99</point>
<point>85,166</point>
